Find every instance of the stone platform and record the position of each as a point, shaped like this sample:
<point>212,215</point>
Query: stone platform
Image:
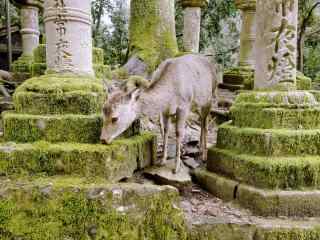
<point>267,157</point>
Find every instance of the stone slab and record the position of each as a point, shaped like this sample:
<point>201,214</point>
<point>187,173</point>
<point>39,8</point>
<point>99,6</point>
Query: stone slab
<point>269,142</point>
<point>164,175</point>
<point>112,162</point>
<point>78,208</point>
<point>60,94</point>
<point>296,172</point>
<point>262,202</point>
<point>57,128</point>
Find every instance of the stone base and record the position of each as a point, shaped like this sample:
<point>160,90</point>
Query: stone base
<point>20,127</point>
<point>262,202</point>
<point>303,82</point>
<point>22,68</point>
<point>269,154</point>
<point>238,78</point>
<point>111,162</point>
<point>76,208</point>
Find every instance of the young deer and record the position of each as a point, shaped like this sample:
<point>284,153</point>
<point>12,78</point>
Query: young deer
<point>178,85</point>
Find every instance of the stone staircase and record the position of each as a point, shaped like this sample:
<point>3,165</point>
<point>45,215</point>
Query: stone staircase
<point>267,159</point>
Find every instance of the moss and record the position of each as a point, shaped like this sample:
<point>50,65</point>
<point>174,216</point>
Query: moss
<point>283,233</point>
<point>38,69</point>
<point>112,162</point>
<point>295,172</point>
<point>91,212</point>
<point>54,94</point>
<point>52,128</point>
<point>253,116</point>
<point>239,76</point>
<point>148,40</point>
<point>102,71</point>
<point>97,56</point>
<point>269,142</point>
<point>39,54</point>
<point>303,82</point>
<point>120,74</point>
<point>22,65</point>
<point>264,203</point>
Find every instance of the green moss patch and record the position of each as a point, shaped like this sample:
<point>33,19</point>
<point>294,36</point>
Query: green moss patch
<point>296,172</point>
<point>112,162</point>
<point>303,82</point>
<point>52,128</point>
<point>276,118</point>
<point>39,54</point>
<point>51,210</point>
<point>239,76</point>
<point>149,38</point>
<point>54,94</point>
<point>269,142</point>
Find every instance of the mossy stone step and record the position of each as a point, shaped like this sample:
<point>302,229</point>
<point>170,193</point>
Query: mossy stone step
<point>112,162</point>
<point>267,118</point>
<point>298,172</point>
<point>55,94</point>
<point>24,128</point>
<point>75,208</point>
<point>262,202</point>
<point>290,99</point>
<point>269,142</point>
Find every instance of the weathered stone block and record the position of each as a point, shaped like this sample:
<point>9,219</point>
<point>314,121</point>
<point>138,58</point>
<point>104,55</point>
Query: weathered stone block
<point>53,94</point>
<point>112,162</point>
<point>296,172</point>
<point>269,142</point>
<point>77,208</point>
<point>262,202</point>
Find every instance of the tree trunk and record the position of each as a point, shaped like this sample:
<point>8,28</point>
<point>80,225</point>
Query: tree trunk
<point>152,35</point>
<point>301,51</point>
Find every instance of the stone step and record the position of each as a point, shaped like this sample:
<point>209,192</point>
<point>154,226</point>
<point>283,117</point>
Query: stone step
<point>297,172</point>
<point>261,202</point>
<point>231,87</point>
<point>54,94</point>
<point>269,142</point>
<point>112,162</point>
<point>259,117</point>
<point>76,208</point>
<point>24,128</point>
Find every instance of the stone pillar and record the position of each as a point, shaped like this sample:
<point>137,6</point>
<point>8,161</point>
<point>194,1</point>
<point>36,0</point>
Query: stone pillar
<point>276,44</point>
<point>68,31</point>
<point>248,32</point>
<point>192,21</point>
<point>29,28</point>
<point>29,24</point>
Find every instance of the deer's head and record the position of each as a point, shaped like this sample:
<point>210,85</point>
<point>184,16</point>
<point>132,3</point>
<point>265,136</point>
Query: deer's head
<point>120,110</point>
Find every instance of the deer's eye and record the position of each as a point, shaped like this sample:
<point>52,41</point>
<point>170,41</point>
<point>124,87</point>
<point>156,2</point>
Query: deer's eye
<point>114,119</point>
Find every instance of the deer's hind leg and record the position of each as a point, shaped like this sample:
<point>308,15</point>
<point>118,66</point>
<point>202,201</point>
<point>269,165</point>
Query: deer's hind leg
<point>205,111</point>
<point>165,122</point>
<point>182,115</point>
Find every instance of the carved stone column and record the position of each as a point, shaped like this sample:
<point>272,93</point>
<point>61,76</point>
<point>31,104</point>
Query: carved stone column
<point>248,32</point>
<point>68,30</point>
<point>192,21</point>
<point>276,44</point>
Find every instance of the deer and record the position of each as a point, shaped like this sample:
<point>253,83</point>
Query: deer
<point>178,86</point>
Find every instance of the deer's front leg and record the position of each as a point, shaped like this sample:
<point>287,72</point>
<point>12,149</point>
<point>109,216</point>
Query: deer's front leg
<point>166,129</point>
<point>180,128</point>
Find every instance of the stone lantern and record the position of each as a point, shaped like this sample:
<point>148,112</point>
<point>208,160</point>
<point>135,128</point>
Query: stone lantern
<point>192,20</point>
<point>30,36</point>
<point>248,32</point>
<point>242,76</point>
